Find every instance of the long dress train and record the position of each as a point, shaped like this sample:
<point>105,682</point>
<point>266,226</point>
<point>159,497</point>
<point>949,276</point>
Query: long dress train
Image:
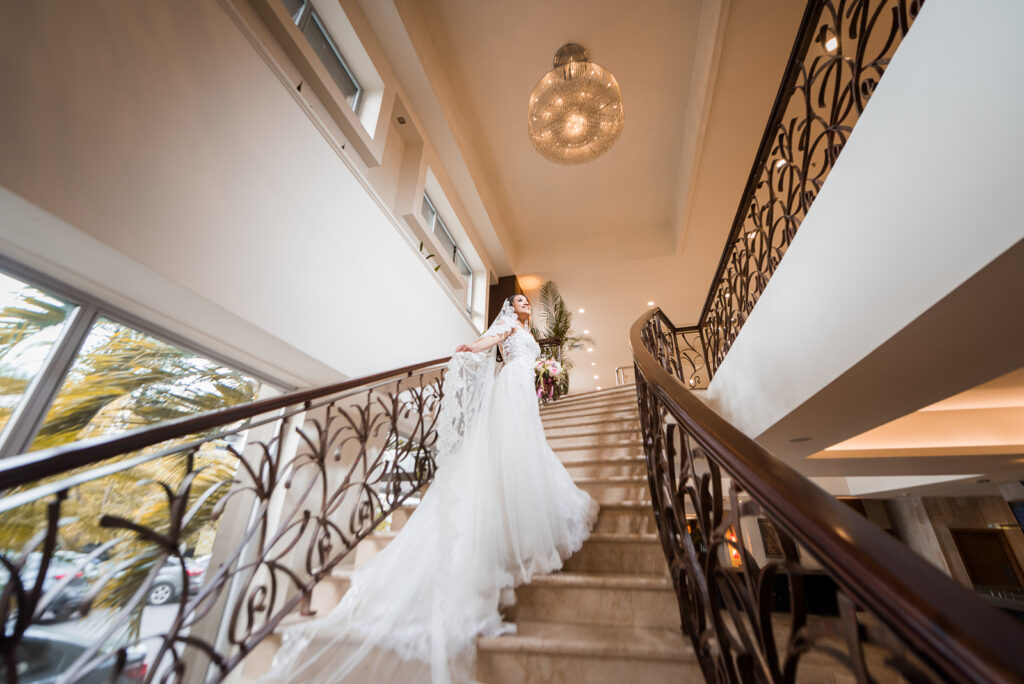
<point>500,510</point>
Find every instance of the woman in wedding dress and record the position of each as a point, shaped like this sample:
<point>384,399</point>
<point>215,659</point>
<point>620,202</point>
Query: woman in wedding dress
<point>501,509</point>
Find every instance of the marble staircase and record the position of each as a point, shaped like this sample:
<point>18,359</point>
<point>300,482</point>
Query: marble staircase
<point>610,615</point>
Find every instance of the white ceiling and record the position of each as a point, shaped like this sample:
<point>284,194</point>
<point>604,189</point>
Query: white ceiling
<point>645,222</point>
<point>496,52</point>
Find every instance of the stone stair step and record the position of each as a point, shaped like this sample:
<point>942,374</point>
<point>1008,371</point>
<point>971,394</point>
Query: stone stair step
<point>623,554</point>
<point>552,411</point>
<point>592,397</point>
<point>553,652</point>
<point>607,467</point>
<point>594,438</point>
<point>622,517</point>
<point>626,517</point>
<point>328,591</point>
<point>590,599</point>
<point>556,429</point>
<point>371,546</point>
<point>612,489</point>
<point>588,452</point>
<point>589,416</point>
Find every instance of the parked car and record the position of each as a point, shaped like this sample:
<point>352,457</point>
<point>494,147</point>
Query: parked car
<point>73,596</point>
<point>167,586</point>
<point>44,655</point>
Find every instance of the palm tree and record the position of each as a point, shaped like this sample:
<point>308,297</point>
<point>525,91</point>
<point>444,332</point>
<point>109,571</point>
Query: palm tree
<point>122,379</point>
<point>558,324</point>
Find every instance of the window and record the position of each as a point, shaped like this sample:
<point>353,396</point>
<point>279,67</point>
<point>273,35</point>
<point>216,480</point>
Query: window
<point>436,225</point>
<point>312,27</point>
<point>31,321</point>
<point>70,371</point>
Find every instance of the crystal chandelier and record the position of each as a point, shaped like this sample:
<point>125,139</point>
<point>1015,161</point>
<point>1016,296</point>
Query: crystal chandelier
<point>576,109</point>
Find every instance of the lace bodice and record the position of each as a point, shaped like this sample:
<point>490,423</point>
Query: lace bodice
<point>520,346</point>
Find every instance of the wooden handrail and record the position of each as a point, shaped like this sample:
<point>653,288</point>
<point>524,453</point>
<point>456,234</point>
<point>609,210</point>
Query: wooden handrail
<point>27,468</point>
<point>965,638</point>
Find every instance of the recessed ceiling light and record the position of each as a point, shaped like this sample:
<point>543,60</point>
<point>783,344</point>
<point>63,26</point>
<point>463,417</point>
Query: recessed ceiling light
<point>598,387</point>
<point>593,363</point>
<point>590,349</point>
<point>650,303</point>
<point>582,310</point>
<point>586,332</point>
<point>595,377</point>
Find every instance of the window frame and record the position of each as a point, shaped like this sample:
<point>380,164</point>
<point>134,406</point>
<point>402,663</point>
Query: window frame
<point>28,416</point>
<point>301,19</point>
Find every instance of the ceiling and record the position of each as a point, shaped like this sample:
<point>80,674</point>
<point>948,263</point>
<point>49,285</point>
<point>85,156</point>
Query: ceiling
<point>648,220</point>
<point>494,54</point>
<point>976,435</point>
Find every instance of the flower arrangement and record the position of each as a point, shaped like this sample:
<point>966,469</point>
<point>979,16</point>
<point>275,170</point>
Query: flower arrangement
<point>547,370</point>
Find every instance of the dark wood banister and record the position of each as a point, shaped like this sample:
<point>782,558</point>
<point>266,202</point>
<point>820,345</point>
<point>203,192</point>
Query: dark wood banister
<point>27,468</point>
<point>938,618</point>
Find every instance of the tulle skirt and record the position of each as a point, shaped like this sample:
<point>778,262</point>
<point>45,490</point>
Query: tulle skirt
<point>498,512</point>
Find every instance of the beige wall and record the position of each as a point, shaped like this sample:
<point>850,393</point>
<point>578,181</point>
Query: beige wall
<point>176,157</point>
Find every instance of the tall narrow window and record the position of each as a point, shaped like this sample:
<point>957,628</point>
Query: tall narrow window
<point>313,28</point>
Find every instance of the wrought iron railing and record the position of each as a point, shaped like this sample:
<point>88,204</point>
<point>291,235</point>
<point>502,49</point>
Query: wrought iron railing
<point>841,52</point>
<point>734,521</point>
<point>281,489</point>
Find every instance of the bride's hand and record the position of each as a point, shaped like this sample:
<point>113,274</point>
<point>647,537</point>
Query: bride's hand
<point>462,348</point>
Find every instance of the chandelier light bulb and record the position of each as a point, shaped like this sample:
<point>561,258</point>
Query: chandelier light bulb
<point>575,112</point>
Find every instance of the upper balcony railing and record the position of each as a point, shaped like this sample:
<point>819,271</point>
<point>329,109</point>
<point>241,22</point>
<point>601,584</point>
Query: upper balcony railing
<point>841,52</point>
<point>233,516</point>
<point>746,607</point>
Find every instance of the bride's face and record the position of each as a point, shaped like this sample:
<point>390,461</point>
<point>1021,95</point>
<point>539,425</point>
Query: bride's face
<point>521,305</point>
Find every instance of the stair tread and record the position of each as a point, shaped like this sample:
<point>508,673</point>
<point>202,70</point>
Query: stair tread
<point>591,640</point>
<point>577,435</point>
<point>648,537</point>
<point>601,581</point>
<point>612,479</point>
<point>605,460</point>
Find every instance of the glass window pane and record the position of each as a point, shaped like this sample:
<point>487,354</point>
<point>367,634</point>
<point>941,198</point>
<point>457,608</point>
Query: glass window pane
<point>460,263</point>
<point>124,379</point>
<point>30,322</point>
<point>331,58</point>
<point>444,238</point>
<point>294,7</point>
<point>428,212</point>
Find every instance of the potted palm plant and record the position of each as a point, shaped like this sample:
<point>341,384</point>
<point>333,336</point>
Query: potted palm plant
<point>556,322</point>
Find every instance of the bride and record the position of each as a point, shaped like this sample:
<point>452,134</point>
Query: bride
<point>501,509</point>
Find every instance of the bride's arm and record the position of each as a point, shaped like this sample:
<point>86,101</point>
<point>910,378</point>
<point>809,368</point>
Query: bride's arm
<point>485,342</point>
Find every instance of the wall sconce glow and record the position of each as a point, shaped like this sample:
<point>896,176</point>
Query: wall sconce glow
<point>598,387</point>
<point>586,332</point>
<point>582,310</point>
<point>650,303</point>
<point>590,349</point>
<point>595,377</point>
<point>594,363</point>
<point>831,44</point>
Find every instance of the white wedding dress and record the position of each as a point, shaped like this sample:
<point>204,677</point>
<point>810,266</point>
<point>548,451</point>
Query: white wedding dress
<point>501,509</point>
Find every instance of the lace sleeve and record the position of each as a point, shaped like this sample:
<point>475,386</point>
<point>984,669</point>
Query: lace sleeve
<point>465,384</point>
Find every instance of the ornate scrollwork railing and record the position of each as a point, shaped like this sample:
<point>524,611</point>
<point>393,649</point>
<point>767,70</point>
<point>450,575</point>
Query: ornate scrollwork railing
<point>280,490</point>
<point>841,51</point>
<point>734,521</point>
